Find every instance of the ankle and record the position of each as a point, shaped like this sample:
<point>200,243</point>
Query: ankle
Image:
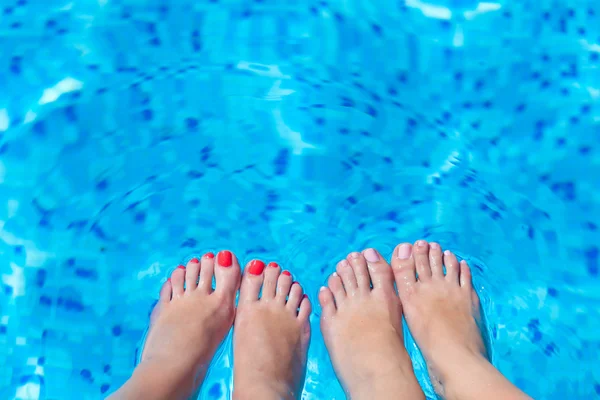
<point>450,380</point>
<point>454,364</point>
<point>159,379</point>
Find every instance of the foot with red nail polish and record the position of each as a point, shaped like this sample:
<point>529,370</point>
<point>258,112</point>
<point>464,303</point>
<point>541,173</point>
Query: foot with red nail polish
<point>271,335</point>
<point>361,323</point>
<point>443,314</point>
<point>189,322</point>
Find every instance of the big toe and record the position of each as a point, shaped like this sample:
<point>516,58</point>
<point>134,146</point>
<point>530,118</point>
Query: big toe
<point>252,281</point>
<point>227,273</point>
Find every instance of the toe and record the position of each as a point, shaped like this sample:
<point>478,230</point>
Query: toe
<point>435,260</point>
<point>327,302</point>
<point>272,272</point>
<point>361,272</point>
<point>348,278</point>
<point>465,275</point>
<point>294,298</point>
<point>252,281</point>
<point>421,256</point>
<point>380,271</point>
<point>227,273</point>
<point>305,309</point>
<point>403,267</point>
<point>177,280</point>
<point>207,267</point>
<point>164,296</point>
<point>452,267</point>
<point>191,274</point>
<point>337,288</point>
<point>284,283</point>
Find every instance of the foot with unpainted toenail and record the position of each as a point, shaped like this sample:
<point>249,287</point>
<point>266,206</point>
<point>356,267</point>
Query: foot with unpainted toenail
<point>362,327</point>
<point>443,314</point>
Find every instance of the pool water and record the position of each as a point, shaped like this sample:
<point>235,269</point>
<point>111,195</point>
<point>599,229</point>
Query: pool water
<point>136,134</point>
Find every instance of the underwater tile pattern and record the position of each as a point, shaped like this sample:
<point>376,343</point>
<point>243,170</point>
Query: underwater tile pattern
<point>137,134</point>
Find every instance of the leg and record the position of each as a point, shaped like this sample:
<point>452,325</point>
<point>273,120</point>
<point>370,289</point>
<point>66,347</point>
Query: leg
<point>362,327</point>
<point>443,315</point>
<point>271,335</point>
<point>186,327</point>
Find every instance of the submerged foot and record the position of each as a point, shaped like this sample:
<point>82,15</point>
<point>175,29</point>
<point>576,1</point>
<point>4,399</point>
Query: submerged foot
<point>443,314</point>
<point>271,335</point>
<point>362,328</point>
<point>187,326</point>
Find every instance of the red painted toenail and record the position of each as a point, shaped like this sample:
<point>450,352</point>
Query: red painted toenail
<point>304,296</point>
<point>287,273</point>
<point>181,266</point>
<point>168,279</point>
<point>225,258</point>
<point>256,267</point>
<point>273,264</point>
<point>209,255</point>
<point>194,260</point>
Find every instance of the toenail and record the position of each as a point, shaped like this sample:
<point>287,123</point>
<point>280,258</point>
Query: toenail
<point>273,265</point>
<point>256,267</point>
<point>295,283</point>
<point>209,255</point>
<point>168,279</point>
<point>322,288</point>
<point>434,246</point>
<point>304,296</point>
<point>404,251</point>
<point>225,258</point>
<point>447,253</point>
<point>343,263</point>
<point>194,260</point>
<point>354,255</point>
<point>286,273</point>
<point>371,255</point>
<point>421,243</point>
<point>181,266</point>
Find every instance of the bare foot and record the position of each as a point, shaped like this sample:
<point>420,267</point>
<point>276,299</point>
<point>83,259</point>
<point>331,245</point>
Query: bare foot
<point>362,327</point>
<point>271,335</point>
<point>443,314</point>
<point>187,325</point>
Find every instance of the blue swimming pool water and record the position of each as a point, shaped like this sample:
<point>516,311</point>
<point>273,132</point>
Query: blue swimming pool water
<point>134,134</point>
